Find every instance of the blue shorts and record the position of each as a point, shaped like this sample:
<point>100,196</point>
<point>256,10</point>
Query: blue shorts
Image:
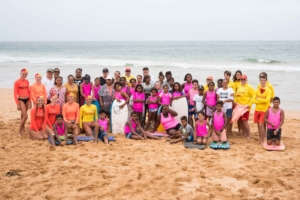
<point>101,135</point>
<point>229,112</point>
<point>190,107</point>
<point>129,135</point>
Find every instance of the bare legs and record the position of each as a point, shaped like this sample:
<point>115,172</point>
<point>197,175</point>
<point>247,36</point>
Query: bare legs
<point>24,117</point>
<point>245,127</point>
<point>262,132</point>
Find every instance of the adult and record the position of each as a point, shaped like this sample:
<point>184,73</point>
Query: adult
<point>104,76</point>
<point>261,98</point>
<point>22,98</point>
<point>106,94</point>
<point>70,112</point>
<point>146,73</point>
<point>48,82</point>
<point>187,85</point>
<point>78,80</point>
<point>208,80</point>
<point>117,75</point>
<point>226,95</point>
<point>71,87</point>
<point>56,72</point>
<point>161,78</point>
<point>168,76</point>
<point>38,129</point>
<point>88,117</point>
<point>147,85</point>
<point>139,79</point>
<point>38,89</point>
<point>128,75</point>
<point>243,97</point>
<point>59,90</point>
<point>168,121</point>
<point>227,74</point>
<point>86,88</point>
<point>125,87</point>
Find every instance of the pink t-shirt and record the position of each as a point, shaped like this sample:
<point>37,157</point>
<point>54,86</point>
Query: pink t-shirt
<point>192,93</point>
<point>274,118</point>
<point>165,98</point>
<point>103,123</point>
<point>169,122</point>
<point>218,120</point>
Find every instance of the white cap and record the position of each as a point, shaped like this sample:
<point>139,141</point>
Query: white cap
<point>109,77</point>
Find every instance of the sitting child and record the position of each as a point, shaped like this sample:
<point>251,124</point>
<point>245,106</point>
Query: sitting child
<point>274,117</point>
<point>186,130</point>
<point>103,125</point>
<point>201,134</point>
<point>60,129</point>
<point>131,126</point>
<point>219,121</point>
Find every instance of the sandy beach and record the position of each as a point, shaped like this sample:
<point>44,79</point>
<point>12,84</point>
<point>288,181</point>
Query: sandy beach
<point>145,169</point>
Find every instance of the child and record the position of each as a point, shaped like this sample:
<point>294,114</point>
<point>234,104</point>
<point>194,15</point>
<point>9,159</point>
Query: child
<point>274,117</point>
<point>96,88</point>
<point>60,129</point>
<point>165,98</point>
<point>171,84</point>
<point>103,125</point>
<point>120,95</point>
<point>130,129</point>
<point>210,100</point>
<point>186,130</point>
<point>219,83</point>
<point>192,92</point>
<point>201,133</point>
<point>132,86</point>
<point>198,101</point>
<point>219,121</point>
<point>138,101</point>
<point>152,102</point>
<point>177,91</point>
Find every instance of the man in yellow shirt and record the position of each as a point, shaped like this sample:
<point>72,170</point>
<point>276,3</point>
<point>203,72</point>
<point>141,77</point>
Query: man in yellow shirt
<point>208,80</point>
<point>261,98</point>
<point>88,117</point>
<point>128,75</point>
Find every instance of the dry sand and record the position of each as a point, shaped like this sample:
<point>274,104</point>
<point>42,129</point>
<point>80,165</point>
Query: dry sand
<point>145,169</point>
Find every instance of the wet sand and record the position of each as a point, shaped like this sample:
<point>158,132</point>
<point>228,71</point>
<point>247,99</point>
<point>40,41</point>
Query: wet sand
<point>145,169</point>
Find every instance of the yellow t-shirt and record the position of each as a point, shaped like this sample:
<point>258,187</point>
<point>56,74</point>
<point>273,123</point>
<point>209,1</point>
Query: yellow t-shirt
<point>88,114</point>
<point>270,86</point>
<point>244,95</point>
<point>262,99</point>
<point>206,87</point>
<point>231,84</point>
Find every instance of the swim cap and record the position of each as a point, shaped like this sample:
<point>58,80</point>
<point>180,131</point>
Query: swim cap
<point>40,97</point>
<point>24,70</point>
<point>89,97</point>
<point>38,74</point>
<point>54,95</point>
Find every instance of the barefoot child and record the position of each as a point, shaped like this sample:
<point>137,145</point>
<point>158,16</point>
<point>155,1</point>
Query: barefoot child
<point>199,106</point>
<point>201,133</point>
<point>60,129</point>
<point>165,98</point>
<point>138,101</point>
<point>153,107</point>
<point>219,122</point>
<point>187,132</point>
<point>274,117</point>
<point>131,132</point>
<point>103,125</point>
<point>177,91</point>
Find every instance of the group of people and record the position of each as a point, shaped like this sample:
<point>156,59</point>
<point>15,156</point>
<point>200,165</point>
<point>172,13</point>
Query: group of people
<point>82,105</point>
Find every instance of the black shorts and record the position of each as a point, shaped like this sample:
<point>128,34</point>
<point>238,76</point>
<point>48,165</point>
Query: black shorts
<point>177,127</point>
<point>271,136</point>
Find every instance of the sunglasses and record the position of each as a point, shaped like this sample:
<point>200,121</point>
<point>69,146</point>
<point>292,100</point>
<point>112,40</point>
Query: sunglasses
<point>127,71</point>
<point>57,71</point>
<point>243,79</point>
<point>210,85</point>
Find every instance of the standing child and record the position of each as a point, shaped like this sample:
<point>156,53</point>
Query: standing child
<point>138,101</point>
<point>210,100</point>
<point>219,122</point>
<point>120,95</point>
<point>60,129</point>
<point>157,85</point>
<point>86,88</point>
<point>152,102</point>
<point>177,91</point>
<point>103,125</point>
<point>186,130</point>
<point>132,86</point>
<point>96,99</point>
<point>165,98</point>
<point>131,132</point>
<point>201,134</point>
<point>192,92</point>
<point>274,117</point>
<point>198,101</point>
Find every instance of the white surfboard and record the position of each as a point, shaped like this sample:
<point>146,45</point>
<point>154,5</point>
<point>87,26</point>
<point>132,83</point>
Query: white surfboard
<point>118,116</point>
<point>181,107</point>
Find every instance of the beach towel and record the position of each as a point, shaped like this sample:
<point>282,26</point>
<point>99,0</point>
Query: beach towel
<point>238,111</point>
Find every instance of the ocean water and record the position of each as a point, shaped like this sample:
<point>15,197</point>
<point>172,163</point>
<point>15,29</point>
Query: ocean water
<point>280,59</point>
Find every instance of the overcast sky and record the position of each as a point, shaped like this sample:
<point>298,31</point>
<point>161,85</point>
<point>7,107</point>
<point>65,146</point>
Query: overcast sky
<point>149,20</point>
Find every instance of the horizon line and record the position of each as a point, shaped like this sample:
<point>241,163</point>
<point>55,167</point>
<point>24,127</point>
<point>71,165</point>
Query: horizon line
<point>148,40</point>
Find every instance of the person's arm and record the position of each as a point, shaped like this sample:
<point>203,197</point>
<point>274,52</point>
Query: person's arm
<point>81,116</point>
<point>195,131</point>
<point>157,123</point>
<point>142,130</point>
<point>173,113</point>
<point>171,99</point>
<point>64,113</point>
<point>210,130</point>
<point>32,94</point>
<point>204,99</point>
<point>182,94</point>
<point>126,97</point>
<point>96,114</point>
<point>56,134</point>
<point>225,121</point>
<point>16,90</point>
<point>281,119</point>
<point>267,99</point>
<point>77,113</point>
<point>212,123</point>
<point>45,95</point>
<point>251,94</point>
<point>159,99</point>
<point>32,121</point>
<point>48,123</point>
<point>267,120</point>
